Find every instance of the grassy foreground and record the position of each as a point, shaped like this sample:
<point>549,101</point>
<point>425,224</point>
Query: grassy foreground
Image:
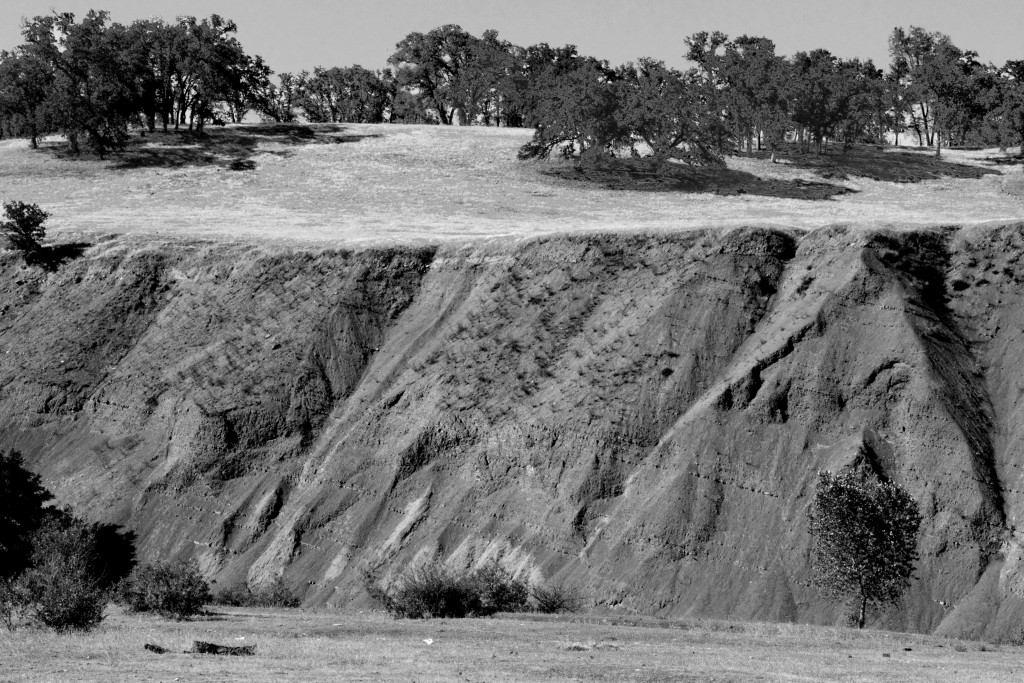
<point>360,184</point>
<point>294,645</point>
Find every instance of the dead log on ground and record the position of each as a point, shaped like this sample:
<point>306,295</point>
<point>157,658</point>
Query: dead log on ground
<point>202,648</point>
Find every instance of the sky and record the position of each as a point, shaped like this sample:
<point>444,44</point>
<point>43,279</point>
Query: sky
<point>293,35</point>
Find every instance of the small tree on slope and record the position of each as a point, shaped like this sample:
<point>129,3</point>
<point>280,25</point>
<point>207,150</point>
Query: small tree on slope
<point>865,539</point>
<point>24,227</point>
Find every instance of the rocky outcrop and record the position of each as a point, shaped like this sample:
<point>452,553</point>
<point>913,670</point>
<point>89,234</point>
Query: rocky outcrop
<point>646,414</point>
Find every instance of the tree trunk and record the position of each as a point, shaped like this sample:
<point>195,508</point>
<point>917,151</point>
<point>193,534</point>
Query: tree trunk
<point>928,132</point>
<point>938,145</point>
<point>862,616</point>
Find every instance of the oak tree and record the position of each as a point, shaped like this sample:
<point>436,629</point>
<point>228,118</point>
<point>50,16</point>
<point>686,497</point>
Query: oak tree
<point>23,228</point>
<point>662,108</point>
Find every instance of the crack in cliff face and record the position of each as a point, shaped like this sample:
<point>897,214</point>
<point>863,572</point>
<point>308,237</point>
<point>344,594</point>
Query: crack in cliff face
<point>643,413</point>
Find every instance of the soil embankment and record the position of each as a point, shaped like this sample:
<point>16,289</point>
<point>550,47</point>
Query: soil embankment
<point>644,414</point>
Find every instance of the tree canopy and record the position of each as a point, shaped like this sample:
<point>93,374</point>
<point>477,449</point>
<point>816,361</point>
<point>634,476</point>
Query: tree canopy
<point>865,539</point>
<point>22,510</point>
<point>94,80</point>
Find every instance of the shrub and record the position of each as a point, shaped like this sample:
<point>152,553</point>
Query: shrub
<point>14,602</point>
<point>435,590</point>
<point>238,595</point>
<point>55,569</point>
<point>499,590</point>
<point>275,594</point>
<point>551,598</point>
<point>24,227</point>
<point>175,590</point>
<point>63,589</point>
<point>429,591</point>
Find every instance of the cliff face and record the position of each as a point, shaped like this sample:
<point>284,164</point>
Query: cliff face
<point>645,414</point>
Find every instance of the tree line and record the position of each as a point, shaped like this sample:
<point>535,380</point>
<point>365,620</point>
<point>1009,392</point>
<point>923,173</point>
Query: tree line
<point>94,80</point>
<point>741,96</point>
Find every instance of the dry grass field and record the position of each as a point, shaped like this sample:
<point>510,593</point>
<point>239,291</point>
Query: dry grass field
<point>350,185</point>
<point>293,645</point>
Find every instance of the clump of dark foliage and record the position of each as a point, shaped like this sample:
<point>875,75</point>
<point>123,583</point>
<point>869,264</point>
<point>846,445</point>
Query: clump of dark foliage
<point>61,572</point>
<point>274,594</point>
<point>56,570</point>
<point>437,591</point>
<point>24,229</point>
<point>175,590</point>
<point>865,540</point>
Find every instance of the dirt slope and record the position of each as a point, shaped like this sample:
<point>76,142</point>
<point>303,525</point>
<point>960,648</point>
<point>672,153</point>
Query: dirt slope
<point>643,413</point>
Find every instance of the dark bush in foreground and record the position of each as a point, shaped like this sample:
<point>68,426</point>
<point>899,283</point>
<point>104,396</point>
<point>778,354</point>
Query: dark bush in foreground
<point>499,590</point>
<point>276,594</point>
<point>430,591</point>
<point>551,598</point>
<point>238,595</point>
<point>55,569</point>
<point>175,590</point>
<point>14,602</point>
<point>435,590</point>
<point>63,588</point>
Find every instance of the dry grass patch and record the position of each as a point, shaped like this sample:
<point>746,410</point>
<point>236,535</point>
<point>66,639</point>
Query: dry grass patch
<point>293,645</point>
<point>363,184</point>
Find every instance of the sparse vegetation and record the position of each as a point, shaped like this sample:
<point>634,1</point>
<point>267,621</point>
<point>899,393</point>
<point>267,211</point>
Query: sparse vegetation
<point>557,598</point>
<point>176,590</point>
<point>437,591</point>
<point>275,594</point>
<point>316,645</point>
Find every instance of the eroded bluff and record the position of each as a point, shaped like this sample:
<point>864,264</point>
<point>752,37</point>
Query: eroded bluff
<point>643,414</point>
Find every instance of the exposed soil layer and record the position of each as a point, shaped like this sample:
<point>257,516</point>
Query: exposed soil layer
<point>643,414</point>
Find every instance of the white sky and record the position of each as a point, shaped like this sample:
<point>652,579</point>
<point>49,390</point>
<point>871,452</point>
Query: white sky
<point>301,34</point>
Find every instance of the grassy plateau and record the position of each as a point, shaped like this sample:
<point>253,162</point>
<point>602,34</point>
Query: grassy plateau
<point>350,185</point>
